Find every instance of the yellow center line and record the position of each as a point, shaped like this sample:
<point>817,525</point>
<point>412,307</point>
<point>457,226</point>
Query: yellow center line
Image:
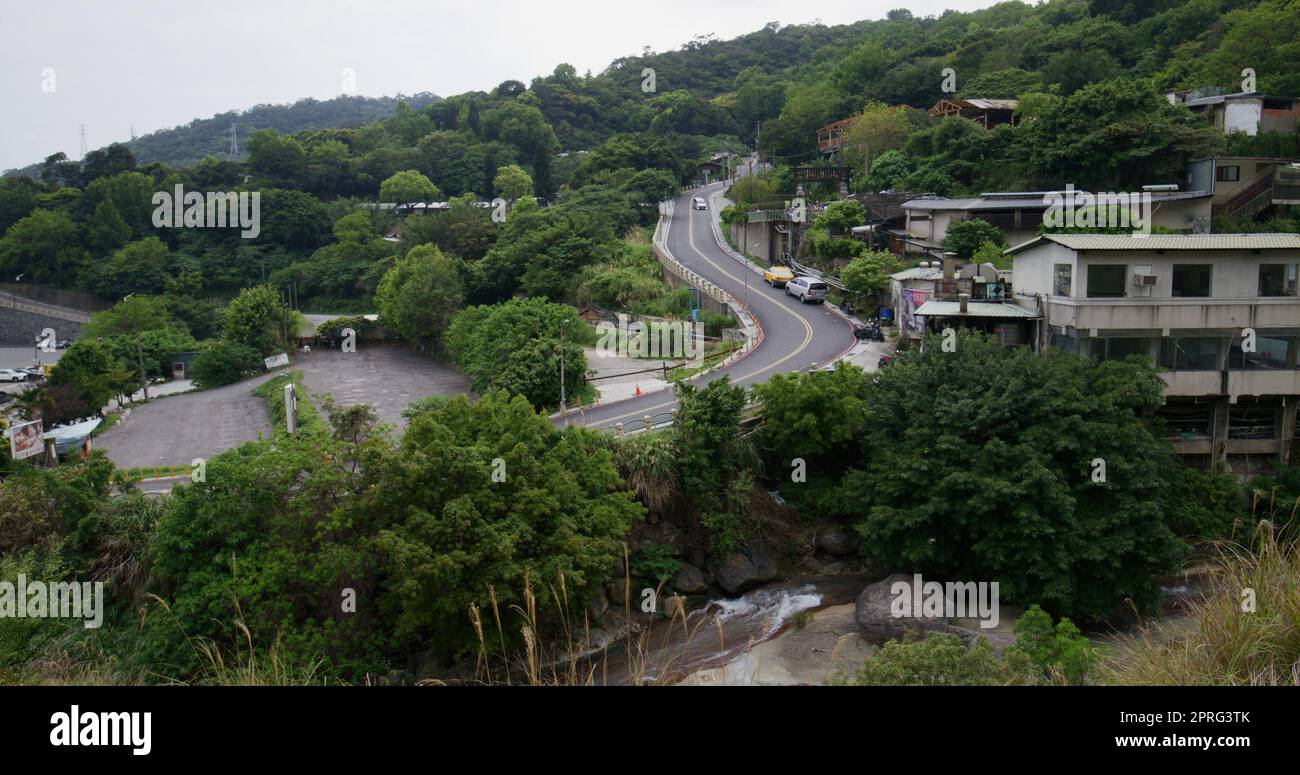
<point>808,332</point>
<point>807,328</point>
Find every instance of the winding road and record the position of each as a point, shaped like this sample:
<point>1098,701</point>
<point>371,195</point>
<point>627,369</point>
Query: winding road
<point>796,336</point>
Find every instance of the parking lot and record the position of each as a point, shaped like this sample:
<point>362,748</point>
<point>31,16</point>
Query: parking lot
<point>21,358</point>
<point>176,429</point>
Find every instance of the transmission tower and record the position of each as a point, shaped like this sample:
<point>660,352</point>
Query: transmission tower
<point>83,141</point>
<point>234,143</point>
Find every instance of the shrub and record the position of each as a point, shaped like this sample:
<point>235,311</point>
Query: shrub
<point>223,363</point>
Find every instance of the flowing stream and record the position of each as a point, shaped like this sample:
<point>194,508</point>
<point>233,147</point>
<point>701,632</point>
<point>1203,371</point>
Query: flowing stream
<point>719,631</point>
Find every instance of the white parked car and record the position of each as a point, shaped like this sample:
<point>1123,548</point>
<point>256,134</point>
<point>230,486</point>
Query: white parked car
<point>12,375</point>
<point>806,289</point>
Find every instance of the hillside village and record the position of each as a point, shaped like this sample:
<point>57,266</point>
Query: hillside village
<point>735,338</point>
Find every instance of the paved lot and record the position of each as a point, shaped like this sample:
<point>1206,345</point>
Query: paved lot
<point>176,429</point>
<point>386,376</point>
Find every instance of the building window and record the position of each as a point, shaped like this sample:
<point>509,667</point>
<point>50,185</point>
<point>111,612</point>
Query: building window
<point>1192,280</point>
<point>1228,174</point>
<point>1195,353</point>
<point>1062,276</point>
<point>1106,281</point>
<point>1122,347</point>
<point>1270,352</point>
<point>1277,279</point>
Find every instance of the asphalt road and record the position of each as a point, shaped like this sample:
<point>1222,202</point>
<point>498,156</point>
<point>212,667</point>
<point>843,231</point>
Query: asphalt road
<point>796,336</point>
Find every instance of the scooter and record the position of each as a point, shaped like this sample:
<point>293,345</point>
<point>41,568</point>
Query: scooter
<point>870,331</point>
<point>884,361</point>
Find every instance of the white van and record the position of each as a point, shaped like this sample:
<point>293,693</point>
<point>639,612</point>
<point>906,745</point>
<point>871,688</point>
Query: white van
<point>806,289</point>
<point>699,203</point>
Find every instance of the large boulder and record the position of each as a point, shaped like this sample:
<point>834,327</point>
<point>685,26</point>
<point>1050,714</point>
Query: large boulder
<point>837,542</point>
<point>745,568</point>
<point>690,580</point>
<point>598,604</point>
<point>875,617</point>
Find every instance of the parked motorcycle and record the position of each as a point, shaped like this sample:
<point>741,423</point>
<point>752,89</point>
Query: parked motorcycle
<point>884,361</point>
<point>870,331</point>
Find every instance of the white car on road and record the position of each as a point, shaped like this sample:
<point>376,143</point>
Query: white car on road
<point>806,289</point>
<point>12,375</point>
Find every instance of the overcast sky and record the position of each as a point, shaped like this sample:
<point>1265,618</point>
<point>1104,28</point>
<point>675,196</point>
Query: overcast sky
<point>118,64</point>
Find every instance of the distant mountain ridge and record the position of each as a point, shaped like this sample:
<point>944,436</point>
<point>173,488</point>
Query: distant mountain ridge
<point>187,144</point>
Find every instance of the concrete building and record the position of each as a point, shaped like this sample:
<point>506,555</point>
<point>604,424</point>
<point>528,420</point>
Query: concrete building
<point>1248,112</point>
<point>1218,313</point>
<point>1244,185</point>
<point>946,293</point>
<point>1019,214</point>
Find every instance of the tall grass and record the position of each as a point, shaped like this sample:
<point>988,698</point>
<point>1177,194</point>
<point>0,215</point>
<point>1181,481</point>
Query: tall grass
<point>563,653</point>
<point>1228,641</point>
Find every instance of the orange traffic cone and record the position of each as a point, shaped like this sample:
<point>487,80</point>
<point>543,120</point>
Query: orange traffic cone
<point>638,390</point>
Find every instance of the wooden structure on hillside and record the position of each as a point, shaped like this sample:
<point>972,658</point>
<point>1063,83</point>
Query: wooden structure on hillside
<point>830,138</point>
<point>986,113</point>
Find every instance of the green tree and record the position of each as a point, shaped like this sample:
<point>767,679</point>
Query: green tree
<point>222,363</point>
<point>419,296</point>
<point>132,317</point>
<point>45,246</point>
<point>888,170</point>
<point>840,216</point>
<point>713,460</point>
<point>94,370</point>
<point>968,490</point>
<point>408,187</point>
<point>258,318</point>
<point>966,237</point>
<point>139,267</point>
<point>512,182</point>
<point>878,129</point>
<point>515,346</point>
<point>811,414</point>
<point>867,275</point>
<point>940,659</point>
<point>1057,654</point>
<point>279,159</point>
<point>459,536</point>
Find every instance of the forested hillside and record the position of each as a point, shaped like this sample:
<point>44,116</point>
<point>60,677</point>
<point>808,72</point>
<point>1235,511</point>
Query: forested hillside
<point>185,145</point>
<point>282,528</point>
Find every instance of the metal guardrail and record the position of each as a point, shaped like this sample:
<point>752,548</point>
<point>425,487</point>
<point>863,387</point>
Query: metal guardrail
<point>762,216</point>
<point>670,263</point>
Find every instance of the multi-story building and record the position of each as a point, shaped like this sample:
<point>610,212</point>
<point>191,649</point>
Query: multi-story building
<point>1219,313</point>
<point>1019,215</point>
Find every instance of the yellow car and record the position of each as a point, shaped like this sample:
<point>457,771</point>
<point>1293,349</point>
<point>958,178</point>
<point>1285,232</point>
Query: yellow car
<point>777,276</point>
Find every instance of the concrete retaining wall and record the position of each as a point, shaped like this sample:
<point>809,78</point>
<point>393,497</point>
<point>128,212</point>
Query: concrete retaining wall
<point>20,326</point>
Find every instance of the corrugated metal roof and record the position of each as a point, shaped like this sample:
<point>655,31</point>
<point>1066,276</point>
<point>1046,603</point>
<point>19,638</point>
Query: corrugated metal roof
<point>917,273</point>
<point>1029,199</point>
<point>1167,242</point>
<point>974,309</point>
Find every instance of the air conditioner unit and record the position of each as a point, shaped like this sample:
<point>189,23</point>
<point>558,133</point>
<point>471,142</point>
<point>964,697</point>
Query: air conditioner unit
<point>1144,279</point>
